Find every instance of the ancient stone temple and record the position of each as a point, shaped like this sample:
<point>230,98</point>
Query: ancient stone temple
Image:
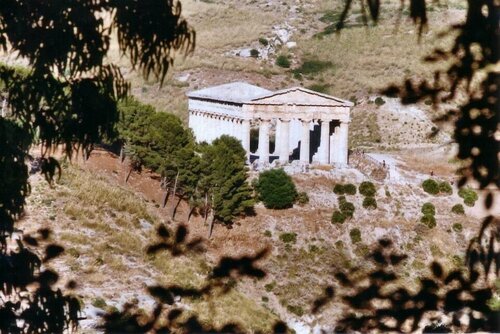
<point>292,124</point>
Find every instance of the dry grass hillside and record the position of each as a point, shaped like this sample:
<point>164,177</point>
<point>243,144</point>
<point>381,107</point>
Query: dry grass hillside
<point>105,224</point>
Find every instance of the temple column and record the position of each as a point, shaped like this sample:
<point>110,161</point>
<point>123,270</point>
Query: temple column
<point>334,146</point>
<point>264,141</point>
<point>277,137</point>
<point>305,142</point>
<point>245,135</point>
<point>343,142</point>
<point>284,137</point>
<point>324,146</point>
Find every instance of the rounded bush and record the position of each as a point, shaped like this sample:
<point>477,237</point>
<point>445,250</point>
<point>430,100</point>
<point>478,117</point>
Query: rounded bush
<point>288,237</point>
<point>369,203</point>
<point>347,208</point>
<point>367,188</point>
<point>350,189</point>
<point>428,209</point>
<point>428,220</point>
<point>254,53</point>
<point>338,217</point>
<point>379,101</point>
<point>445,188</point>
<point>457,227</point>
<point>458,209</point>
<point>276,189</point>
<point>430,186</point>
<point>355,235</point>
<point>263,41</point>
<point>469,195</point>
<point>338,189</point>
<point>341,199</point>
<point>302,198</point>
<point>283,61</point>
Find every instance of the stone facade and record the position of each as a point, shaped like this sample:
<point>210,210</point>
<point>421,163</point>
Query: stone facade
<point>306,125</point>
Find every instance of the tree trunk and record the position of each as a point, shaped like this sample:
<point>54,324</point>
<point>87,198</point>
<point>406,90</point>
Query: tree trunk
<point>122,154</point>
<point>211,222</point>
<point>191,211</point>
<point>176,206</point>
<point>174,192</point>
<point>165,198</point>
<point>128,175</point>
<point>206,208</point>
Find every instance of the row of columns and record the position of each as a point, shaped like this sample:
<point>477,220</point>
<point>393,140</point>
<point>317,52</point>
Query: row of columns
<point>332,149</point>
<point>208,127</point>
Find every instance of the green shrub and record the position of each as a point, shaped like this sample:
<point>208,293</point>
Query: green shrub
<point>428,220</point>
<point>268,233</point>
<point>379,101</point>
<point>313,66</point>
<point>338,189</point>
<point>288,237</point>
<point>297,310</point>
<point>428,209</point>
<point>355,235</point>
<point>263,41</point>
<point>350,189</point>
<point>265,299</point>
<point>270,286</point>
<point>457,227</point>
<point>469,195</point>
<point>341,199</point>
<point>347,208</point>
<point>99,303</point>
<point>458,209</point>
<point>369,203</point>
<point>283,61</point>
<point>338,217</point>
<point>445,188</point>
<point>302,198</point>
<point>430,186</point>
<point>318,87</point>
<point>276,189</point>
<point>254,53</point>
<point>367,188</point>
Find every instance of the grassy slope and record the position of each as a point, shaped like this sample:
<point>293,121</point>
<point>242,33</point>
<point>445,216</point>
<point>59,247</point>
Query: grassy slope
<point>105,229</point>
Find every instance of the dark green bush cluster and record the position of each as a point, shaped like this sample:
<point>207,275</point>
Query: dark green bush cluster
<point>457,227</point>
<point>348,189</point>
<point>276,189</point>
<point>434,187</point>
<point>263,41</point>
<point>288,237</point>
<point>369,203</point>
<point>469,195</point>
<point>458,209</point>
<point>430,186</point>
<point>313,66</point>
<point>367,189</point>
<point>338,217</point>
<point>302,198</point>
<point>379,101</point>
<point>428,220</point>
<point>347,208</point>
<point>297,310</point>
<point>445,188</point>
<point>428,209</point>
<point>283,61</point>
<point>254,53</point>
<point>355,235</point>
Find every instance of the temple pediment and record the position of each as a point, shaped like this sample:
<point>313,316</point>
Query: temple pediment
<point>299,96</point>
